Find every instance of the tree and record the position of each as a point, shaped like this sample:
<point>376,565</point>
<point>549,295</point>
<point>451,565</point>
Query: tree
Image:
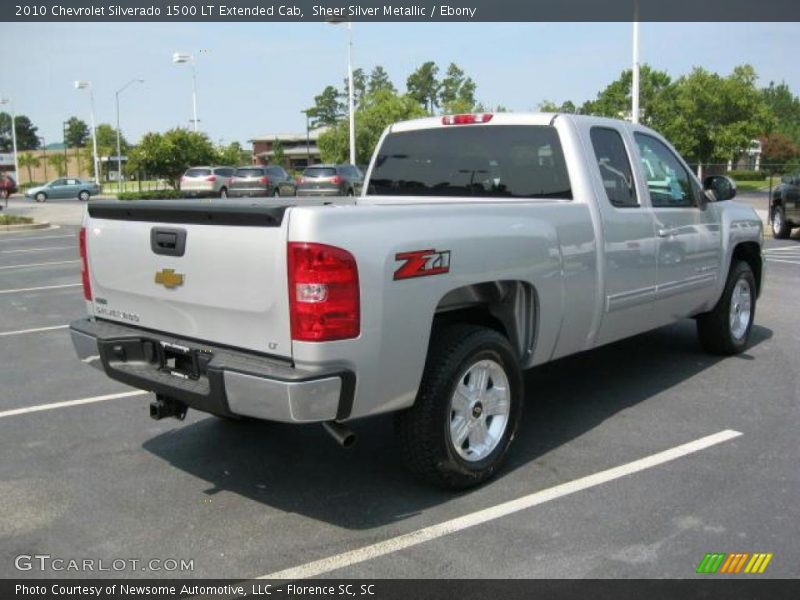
<point>615,100</point>
<point>777,151</point>
<point>714,118</point>
<point>106,145</point>
<point>278,155</point>
<point>29,161</point>
<point>77,133</point>
<point>379,80</point>
<point>359,86</point>
<point>59,163</point>
<point>233,154</point>
<point>328,108</point>
<point>423,86</point>
<point>168,155</point>
<point>785,107</point>
<point>377,111</point>
<point>457,91</point>
<point>549,106</point>
<point>26,133</point>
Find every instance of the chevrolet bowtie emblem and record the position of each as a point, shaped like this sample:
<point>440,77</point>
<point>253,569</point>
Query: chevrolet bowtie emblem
<point>169,278</point>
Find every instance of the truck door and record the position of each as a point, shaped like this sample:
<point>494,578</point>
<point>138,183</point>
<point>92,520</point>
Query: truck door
<point>629,250</point>
<point>687,230</point>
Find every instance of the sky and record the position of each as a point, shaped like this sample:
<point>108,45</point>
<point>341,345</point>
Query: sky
<point>256,78</point>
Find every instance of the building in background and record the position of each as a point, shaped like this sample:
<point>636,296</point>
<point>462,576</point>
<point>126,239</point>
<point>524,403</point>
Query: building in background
<point>299,151</point>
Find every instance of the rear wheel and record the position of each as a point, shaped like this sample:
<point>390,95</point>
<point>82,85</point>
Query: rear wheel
<point>83,196</point>
<point>276,193</point>
<point>41,197</point>
<point>223,193</point>
<point>467,409</point>
<point>780,228</point>
<point>726,329</point>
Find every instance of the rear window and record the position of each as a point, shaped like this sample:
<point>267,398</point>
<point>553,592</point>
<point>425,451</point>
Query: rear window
<point>198,172</point>
<point>252,172</point>
<point>501,161</point>
<point>319,172</point>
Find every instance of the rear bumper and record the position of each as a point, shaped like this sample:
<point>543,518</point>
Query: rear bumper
<point>249,192</point>
<point>227,382</point>
<point>320,192</point>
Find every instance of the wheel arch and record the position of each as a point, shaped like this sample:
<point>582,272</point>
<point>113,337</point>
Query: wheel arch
<point>508,307</point>
<point>750,252</point>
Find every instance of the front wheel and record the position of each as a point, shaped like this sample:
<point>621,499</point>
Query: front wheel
<point>41,197</point>
<point>467,410</point>
<point>726,329</point>
<point>780,228</point>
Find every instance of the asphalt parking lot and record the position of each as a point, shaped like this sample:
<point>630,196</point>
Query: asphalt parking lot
<point>100,480</point>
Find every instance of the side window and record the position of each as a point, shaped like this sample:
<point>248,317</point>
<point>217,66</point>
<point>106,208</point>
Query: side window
<point>669,183</point>
<point>615,167</point>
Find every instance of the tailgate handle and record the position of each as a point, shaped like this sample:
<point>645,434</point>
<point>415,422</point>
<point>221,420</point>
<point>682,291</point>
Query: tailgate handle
<point>168,241</point>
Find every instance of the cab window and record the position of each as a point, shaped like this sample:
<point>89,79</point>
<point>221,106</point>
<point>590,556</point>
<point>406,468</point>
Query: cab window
<point>669,183</point>
<point>615,167</point>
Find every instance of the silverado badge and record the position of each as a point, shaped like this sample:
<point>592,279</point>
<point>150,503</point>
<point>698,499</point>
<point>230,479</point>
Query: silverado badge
<point>169,278</point>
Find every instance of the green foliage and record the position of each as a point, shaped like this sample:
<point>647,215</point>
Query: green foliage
<point>151,195</point>
<point>26,133</point>
<point>29,161</point>
<point>278,154</point>
<point>457,91</point>
<point>423,86</point>
<point>359,87</point>
<point>233,154</point>
<point>376,112</point>
<point>777,151</point>
<point>615,100</point>
<point>77,133</point>
<point>785,107</point>
<point>746,175</point>
<point>549,106</point>
<point>328,108</point>
<point>59,163</point>
<point>14,220</point>
<point>379,80</point>
<point>168,155</point>
<point>106,145</point>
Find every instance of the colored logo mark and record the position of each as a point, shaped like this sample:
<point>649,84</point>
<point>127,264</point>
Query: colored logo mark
<point>737,562</point>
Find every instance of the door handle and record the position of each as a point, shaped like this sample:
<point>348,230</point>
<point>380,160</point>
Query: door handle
<point>666,232</point>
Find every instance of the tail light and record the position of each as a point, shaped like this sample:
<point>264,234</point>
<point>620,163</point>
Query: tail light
<point>323,293</point>
<point>211,178</point>
<point>468,119</point>
<point>337,180</point>
<point>300,180</point>
<point>264,181</point>
<point>232,179</point>
<point>87,286</point>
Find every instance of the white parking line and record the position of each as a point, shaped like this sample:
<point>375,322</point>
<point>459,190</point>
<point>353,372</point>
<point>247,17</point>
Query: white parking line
<point>346,559</point>
<point>23,231</point>
<point>58,262</point>
<point>37,250</point>
<point>38,237</point>
<point>36,330</point>
<point>788,262</point>
<point>40,407</point>
<point>45,287</point>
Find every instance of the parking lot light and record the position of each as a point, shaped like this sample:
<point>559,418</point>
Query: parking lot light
<point>119,150</point>
<point>350,94</point>
<point>87,85</point>
<point>3,101</point>
<point>179,58</point>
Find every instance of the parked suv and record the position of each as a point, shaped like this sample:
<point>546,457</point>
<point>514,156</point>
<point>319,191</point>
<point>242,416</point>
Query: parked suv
<point>262,180</point>
<point>330,180</point>
<point>206,182</point>
<point>786,206</point>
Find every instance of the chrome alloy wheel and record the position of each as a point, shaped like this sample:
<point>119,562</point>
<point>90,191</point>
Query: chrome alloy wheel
<point>777,222</point>
<point>479,410</point>
<point>741,306</point>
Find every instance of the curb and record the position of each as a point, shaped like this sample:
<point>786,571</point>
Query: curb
<point>24,227</point>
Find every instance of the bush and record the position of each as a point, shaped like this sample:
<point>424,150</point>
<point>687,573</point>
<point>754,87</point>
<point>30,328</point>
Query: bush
<point>14,220</point>
<point>152,195</point>
<point>744,175</point>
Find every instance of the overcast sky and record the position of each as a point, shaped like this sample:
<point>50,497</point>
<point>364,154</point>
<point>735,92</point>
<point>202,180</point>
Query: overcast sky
<point>256,78</point>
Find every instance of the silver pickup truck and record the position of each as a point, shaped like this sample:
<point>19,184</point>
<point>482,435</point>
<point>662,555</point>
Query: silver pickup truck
<point>481,246</point>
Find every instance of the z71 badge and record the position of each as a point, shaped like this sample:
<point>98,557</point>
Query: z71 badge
<point>421,263</point>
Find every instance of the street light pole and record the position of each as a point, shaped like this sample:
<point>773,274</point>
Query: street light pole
<point>66,155</point>
<point>308,140</point>
<point>13,134</point>
<point>351,93</point>
<point>119,149</point>
<point>635,72</point>
<point>44,149</point>
<point>181,58</point>
<point>83,85</point>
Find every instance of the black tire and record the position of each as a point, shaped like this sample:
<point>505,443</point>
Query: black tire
<point>350,193</point>
<point>714,328</point>
<point>780,227</point>
<point>223,193</point>
<point>276,193</point>
<point>83,196</point>
<point>423,431</point>
<point>41,197</point>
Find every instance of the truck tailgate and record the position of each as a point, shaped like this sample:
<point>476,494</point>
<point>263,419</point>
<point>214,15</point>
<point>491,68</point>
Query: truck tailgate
<point>226,285</point>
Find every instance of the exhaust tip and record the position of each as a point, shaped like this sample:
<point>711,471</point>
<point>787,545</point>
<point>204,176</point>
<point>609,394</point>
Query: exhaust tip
<point>343,436</point>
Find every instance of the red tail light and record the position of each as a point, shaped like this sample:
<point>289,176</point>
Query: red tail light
<point>211,178</point>
<point>87,286</point>
<point>336,180</point>
<point>232,179</point>
<point>466,119</point>
<point>323,293</point>
<point>264,181</point>
<point>300,180</point>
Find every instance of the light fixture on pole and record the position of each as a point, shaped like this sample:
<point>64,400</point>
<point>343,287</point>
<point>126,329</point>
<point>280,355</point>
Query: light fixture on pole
<point>119,150</point>
<point>13,134</point>
<point>350,92</point>
<point>87,85</point>
<point>179,58</point>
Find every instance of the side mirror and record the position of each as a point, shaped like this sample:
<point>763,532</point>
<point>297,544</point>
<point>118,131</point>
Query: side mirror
<point>724,188</point>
